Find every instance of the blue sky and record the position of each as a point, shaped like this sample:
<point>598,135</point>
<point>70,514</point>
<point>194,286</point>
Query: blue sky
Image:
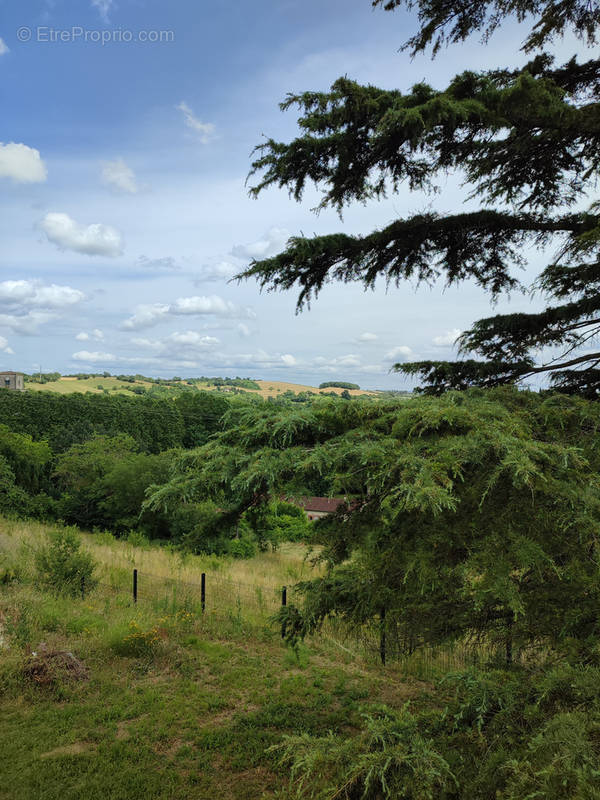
<point>123,210</point>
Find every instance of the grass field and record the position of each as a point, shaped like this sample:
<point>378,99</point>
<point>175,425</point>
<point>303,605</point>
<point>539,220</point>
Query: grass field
<point>175,703</point>
<point>114,386</point>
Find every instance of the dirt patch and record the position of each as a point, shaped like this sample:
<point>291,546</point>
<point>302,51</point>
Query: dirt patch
<point>219,719</point>
<point>75,749</point>
<point>172,748</point>
<point>124,726</point>
<point>255,780</point>
<point>47,668</point>
<point>123,731</point>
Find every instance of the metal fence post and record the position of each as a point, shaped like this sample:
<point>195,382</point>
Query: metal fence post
<point>283,604</point>
<point>203,591</point>
<point>83,587</point>
<point>135,581</point>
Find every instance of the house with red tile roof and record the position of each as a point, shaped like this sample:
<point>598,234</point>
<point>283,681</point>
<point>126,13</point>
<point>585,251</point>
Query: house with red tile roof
<point>317,507</point>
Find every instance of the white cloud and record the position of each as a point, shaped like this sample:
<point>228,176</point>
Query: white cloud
<point>27,304</point>
<point>96,334</point>
<point>193,338</point>
<point>93,358</point>
<point>27,323</point>
<point>401,353</point>
<point>104,7</point>
<point>244,330</point>
<point>21,163</point>
<point>27,293</point>
<point>204,305</point>
<point>204,130</point>
<point>119,177</point>
<point>3,47</point>
<point>164,264</point>
<point>146,316</point>
<point>373,369</point>
<point>448,339</point>
<point>91,240</point>
<point>368,337</point>
<point>272,242</point>
<point>178,344</point>
<point>350,360</point>
<point>258,359</point>
<point>4,348</point>
<point>337,364</point>
<point>220,271</point>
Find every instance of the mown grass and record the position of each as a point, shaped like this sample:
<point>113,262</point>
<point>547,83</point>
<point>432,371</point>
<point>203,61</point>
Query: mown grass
<point>177,705</point>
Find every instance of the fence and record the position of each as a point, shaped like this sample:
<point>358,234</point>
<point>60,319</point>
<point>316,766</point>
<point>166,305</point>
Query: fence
<point>377,642</point>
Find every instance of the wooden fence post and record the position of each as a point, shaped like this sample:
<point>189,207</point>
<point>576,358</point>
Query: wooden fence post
<point>283,604</point>
<point>83,587</point>
<point>135,576</point>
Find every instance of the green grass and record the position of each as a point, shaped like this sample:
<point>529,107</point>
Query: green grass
<point>177,705</point>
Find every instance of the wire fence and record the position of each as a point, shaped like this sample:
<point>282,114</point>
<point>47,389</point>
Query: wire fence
<point>218,596</point>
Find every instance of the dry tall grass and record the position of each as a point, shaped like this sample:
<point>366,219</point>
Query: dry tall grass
<point>268,571</point>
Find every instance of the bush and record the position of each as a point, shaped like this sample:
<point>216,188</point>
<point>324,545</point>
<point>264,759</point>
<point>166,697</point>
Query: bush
<point>136,642</point>
<point>244,547</point>
<point>62,565</point>
<point>389,759</point>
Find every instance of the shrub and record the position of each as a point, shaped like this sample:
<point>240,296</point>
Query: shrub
<point>389,759</point>
<point>62,565</point>
<point>244,547</point>
<point>137,539</point>
<point>137,642</point>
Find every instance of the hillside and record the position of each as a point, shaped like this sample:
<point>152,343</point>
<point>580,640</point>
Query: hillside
<point>98,385</point>
<point>170,702</point>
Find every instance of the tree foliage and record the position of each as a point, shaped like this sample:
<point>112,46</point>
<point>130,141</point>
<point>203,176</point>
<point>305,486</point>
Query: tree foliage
<point>338,385</point>
<point>443,23</point>
<point>475,514</point>
<point>527,142</point>
<point>156,424</point>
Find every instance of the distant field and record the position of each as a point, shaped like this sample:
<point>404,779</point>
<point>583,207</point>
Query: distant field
<point>71,385</point>
<point>274,388</point>
<point>114,386</point>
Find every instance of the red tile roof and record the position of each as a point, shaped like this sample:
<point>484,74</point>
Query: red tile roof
<point>326,505</point>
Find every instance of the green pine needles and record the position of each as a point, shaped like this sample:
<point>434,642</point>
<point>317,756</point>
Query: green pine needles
<point>527,142</point>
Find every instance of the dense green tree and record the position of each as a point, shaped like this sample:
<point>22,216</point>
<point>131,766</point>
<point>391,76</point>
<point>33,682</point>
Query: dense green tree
<point>527,142</point>
<point>28,460</point>
<point>80,473</point>
<point>156,424</point>
<point>339,385</point>
<point>201,413</point>
<point>124,487</point>
<point>13,499</point>
<point>472,514</point>
<point>103,483</point>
